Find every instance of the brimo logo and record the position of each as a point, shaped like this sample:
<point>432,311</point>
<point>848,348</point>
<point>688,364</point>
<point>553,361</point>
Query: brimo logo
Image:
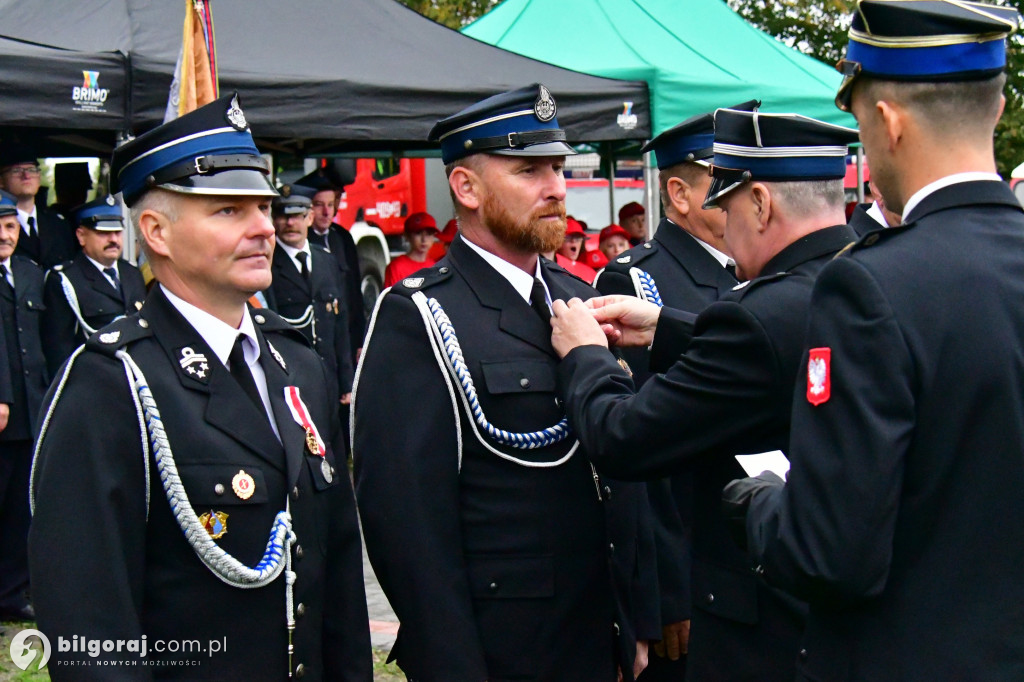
<point>23,654</point>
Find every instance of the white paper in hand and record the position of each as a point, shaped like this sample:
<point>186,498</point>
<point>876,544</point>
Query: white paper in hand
<point>773,461</point>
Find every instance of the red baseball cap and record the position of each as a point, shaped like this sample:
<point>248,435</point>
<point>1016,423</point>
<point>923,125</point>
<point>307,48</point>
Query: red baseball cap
<point>613,230</point>
<point>629,210</point>
<point>420,222</point>
<point>595,259</point>
<point>572,226</point>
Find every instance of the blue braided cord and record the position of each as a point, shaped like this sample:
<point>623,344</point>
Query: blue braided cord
<point>522,441</point>
<point>650,289</point>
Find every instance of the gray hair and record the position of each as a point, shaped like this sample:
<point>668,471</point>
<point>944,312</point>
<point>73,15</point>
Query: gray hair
<point>808,197</point>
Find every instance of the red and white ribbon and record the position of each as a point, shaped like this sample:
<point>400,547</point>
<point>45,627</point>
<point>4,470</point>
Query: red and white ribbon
<point>301,416</point>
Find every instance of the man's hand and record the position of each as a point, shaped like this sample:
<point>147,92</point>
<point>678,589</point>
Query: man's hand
<point>626,320</point>
<point>640,662</point>
<point>736,498</point>
<point>675,640</point>
<point>5,414</point>
<point>346,399</point>
<point>573,325</point>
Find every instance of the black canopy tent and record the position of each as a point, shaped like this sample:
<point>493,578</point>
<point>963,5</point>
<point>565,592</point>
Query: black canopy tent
<point>315,77</point>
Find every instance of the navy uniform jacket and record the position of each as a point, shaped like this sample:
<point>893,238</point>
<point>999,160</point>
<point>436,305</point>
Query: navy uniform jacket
<point>861,223</point>
<point>340,244</point>
<point>688,278</point>
<point>23,375</point>
<point>900,520</point>
<point>727,395</point>
<point>289,295</point>
<point>53,241</point>
<point>102,570</point>
<point>98,301</point>
<point>497,569</point>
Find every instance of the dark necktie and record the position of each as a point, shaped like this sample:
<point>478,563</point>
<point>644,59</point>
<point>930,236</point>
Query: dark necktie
<point>239,369</point>
<point>538,301</point>
<point>731,269</point>
<point>303,266</point>
<point>31,226</point>
<point>5,275</point>
<point>112,274</point>
<point>322,239</point>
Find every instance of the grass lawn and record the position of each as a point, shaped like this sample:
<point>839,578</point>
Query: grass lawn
<point>382,672</point>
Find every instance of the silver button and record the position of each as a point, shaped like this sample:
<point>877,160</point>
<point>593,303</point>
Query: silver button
<point>493,587</point>
<point>298,551</point>
<point>143,323</point>
<point>616,627</point>
<point>259,319</point>
<point>443,270</point>
<point>295,493</point>
<point>300,670</point>
<point>219,488</point>
<point>710,599</point>
<point>870,239</point>
<point>647,245</point>
<point>524,382</point>
<point>300,610</point>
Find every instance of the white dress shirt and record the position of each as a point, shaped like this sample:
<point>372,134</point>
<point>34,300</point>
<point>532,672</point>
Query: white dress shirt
<point>520,280</point>
<point>953,179</point>
<point>291,251</point>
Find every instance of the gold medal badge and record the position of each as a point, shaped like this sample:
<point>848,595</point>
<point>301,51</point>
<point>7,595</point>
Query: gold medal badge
<point>215,523</point>
<point>311,443</point>
<point>243,485</point>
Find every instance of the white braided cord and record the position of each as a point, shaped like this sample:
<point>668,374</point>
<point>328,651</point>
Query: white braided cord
<point>645,286</point>
<point>447,348</point>
<point>304,320</point>
<point>72,298</point>
<point>223,565</point>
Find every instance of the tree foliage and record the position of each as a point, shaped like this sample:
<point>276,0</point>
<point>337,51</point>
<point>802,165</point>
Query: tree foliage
<point>819,28</point>
<point>452,13</point>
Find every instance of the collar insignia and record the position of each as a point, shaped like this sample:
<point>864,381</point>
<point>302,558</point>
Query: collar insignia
<point>277,356</point>
<point>194,363</point>
<point>412,282</point>
<point>623,259</point>
<point>110,337</point>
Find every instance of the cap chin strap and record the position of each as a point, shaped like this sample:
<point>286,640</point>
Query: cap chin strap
<point>207,165</point>
<point>515,140</point>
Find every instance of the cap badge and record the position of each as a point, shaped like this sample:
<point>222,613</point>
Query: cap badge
<point>235,116</point>
<point>277,356</point>
<point>215,523</point>
<point>412,282</point>
<point>544,108</point>
<point>623,259</point>
<point>819,376</point>
<point>286,190</point>
<point>194,363</point>
<point>243,485</point>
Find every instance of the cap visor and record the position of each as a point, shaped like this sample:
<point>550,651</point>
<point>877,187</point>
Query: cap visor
<point>719,187</point>
<point>108,226</point>
<point>236,182</point>
<point>543,149</point>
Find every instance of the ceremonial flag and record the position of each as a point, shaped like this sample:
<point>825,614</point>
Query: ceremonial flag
<point>195,75</point>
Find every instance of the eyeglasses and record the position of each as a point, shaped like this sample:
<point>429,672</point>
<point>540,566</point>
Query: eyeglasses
<point>23,171</point>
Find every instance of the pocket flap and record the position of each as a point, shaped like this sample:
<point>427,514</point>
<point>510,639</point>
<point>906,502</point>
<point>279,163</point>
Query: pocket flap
<point>518,376</point>
<point>725,591</point>
<point>211,484</point>
<point>511,577</point>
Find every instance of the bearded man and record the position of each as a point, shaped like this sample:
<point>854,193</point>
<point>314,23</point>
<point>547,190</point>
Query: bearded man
<point>483,519</point>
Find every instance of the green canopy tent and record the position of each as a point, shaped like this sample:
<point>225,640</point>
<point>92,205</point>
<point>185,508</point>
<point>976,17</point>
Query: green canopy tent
<point>696,55</point>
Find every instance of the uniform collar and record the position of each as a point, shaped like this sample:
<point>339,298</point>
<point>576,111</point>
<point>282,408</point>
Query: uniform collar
<point>101,266</point>
<point>291,251</point>
<point>220,337</point>
<point>814,245</point>
<point>520,280</point>
<point>933,187</point>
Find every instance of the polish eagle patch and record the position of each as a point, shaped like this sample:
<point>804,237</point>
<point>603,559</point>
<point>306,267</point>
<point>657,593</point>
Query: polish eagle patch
<point>819,375</point>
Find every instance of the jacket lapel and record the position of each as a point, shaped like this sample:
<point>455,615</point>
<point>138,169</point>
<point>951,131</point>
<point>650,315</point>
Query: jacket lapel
<point>228,408</point>
<point>293,436</point>
<point>692,257</point>
<point>494,291</point>
<point>283,266</point>
<point>98,280</point>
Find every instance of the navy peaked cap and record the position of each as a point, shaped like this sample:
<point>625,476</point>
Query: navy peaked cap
<point>8,204</point>
<point>925,40</point>
<point>103,215</point>
<point>750,145</point>
<point>208,151</point>
<point>691,140</point>
<point>515,123</point>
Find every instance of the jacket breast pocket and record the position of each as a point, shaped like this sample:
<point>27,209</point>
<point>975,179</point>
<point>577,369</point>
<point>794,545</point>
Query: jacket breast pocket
<point>511,577</point>
<point>725,591</point>
<point>215,484</point>
<point>518,376</point>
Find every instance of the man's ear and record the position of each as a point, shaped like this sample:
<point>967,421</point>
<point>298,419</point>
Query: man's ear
<point>465,186</point>
<point>80,235</point>
<point>894,120</point>
<point>761,197</point>
<point>155,230</point>
<point>680,194</point>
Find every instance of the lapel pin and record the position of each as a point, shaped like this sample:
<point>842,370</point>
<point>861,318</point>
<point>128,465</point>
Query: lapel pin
<point>215,523</point>
<point>243,485</point>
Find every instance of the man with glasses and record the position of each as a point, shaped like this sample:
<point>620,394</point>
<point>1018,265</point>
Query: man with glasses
<point>46,237</point>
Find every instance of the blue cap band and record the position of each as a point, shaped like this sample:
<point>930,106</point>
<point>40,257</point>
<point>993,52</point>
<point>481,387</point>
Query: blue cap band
<point>674,152</point>
<point>224,141</point>
<point>786,167</point>
<point>453,145</point>
<point>928,61</point>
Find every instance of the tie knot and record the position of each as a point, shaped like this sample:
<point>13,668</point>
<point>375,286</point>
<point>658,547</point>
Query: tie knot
<point>110,272</point>
<point>301,257</point>
<point>3,270</point>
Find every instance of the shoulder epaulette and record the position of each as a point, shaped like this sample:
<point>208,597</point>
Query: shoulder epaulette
<point>119,334</point>
<point>629,259</point>
<point>874,237</point>
<point>423,280</point>
<point>24,258</point>
<point>320,247</point>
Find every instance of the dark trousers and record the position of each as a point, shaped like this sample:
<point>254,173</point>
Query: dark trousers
<point>663,669</point>
<point>15,465</point>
